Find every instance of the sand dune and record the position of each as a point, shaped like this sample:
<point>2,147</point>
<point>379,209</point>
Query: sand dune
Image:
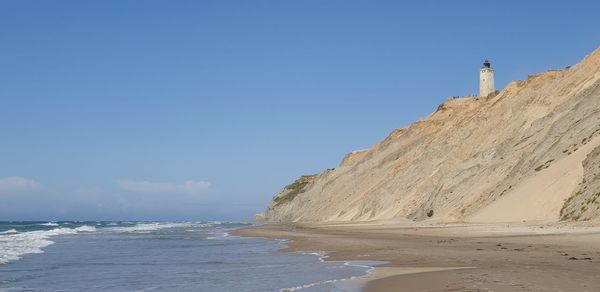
<point>540,196</point>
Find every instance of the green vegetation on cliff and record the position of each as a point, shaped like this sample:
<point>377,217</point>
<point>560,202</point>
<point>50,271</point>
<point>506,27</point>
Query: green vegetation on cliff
<point>293,190</point>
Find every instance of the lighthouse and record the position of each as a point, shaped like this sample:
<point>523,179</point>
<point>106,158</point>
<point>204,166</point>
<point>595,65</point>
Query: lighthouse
<point>486,79</point>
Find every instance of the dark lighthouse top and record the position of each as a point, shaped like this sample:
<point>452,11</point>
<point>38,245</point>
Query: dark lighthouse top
<point>486,63</point>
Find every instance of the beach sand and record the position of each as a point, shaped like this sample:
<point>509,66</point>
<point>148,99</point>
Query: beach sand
<point>459,257</point>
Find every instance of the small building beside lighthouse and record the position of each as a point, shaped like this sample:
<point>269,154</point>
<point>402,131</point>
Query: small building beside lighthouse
<point>486,79</point>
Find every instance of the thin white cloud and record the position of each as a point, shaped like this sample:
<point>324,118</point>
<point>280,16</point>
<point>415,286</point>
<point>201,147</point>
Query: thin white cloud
<point>17,184</point>
<point>189,187</point>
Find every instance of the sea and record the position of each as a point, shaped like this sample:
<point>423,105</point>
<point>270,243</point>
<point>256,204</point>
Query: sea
<point>161,256</point>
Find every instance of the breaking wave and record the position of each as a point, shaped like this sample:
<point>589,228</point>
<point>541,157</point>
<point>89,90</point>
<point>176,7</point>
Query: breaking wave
<point>14,244</point>
<point>26,238</point>
<point>153,226</point>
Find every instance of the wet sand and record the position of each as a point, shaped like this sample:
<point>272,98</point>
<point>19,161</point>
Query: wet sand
<point>456,257</point>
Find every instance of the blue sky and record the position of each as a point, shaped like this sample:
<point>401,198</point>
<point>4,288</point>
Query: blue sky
<point>194,110</point>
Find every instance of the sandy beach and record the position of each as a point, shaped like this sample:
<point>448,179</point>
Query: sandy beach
<point>458,257</point>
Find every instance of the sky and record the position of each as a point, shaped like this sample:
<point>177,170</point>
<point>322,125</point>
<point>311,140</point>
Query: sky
<point>203,110</point>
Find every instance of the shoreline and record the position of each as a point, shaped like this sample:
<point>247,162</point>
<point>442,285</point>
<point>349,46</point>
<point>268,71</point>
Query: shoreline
<point>530,256</point>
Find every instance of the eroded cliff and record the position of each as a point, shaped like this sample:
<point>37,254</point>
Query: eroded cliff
<point>517,155</point>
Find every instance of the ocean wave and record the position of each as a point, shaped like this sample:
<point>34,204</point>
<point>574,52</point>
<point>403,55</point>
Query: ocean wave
<point>9,231</point>
<point>14,245</point>
<point>368,270</point>
<point>49,224</point>
<point>311,285</point>
<point>85,228</point>
<point>149,227</point>
<point>153,226</point>
<point>321,255</point>
<point>214,236</point>
<point>217,234</point>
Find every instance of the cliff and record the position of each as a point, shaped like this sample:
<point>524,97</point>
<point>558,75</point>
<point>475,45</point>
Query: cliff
<point>530,152</point>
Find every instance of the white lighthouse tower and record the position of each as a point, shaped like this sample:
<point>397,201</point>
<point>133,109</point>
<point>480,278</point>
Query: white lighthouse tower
<point>486,79</point>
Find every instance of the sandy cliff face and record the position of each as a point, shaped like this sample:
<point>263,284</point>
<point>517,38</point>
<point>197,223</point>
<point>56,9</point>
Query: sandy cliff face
<point>518,155</point>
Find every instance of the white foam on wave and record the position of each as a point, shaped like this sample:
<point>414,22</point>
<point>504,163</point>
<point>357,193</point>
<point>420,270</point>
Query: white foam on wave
<point>325,282</point>
<point>85,228</point>
<point>14,245</point>
<point>153,226</point>
<point>49,224</point>
<point>332,281</point>
<point>214,236</point>
<point>9,231</point>
<point>218,234</point>
<point>149,227</point>
<point>322,256</point>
